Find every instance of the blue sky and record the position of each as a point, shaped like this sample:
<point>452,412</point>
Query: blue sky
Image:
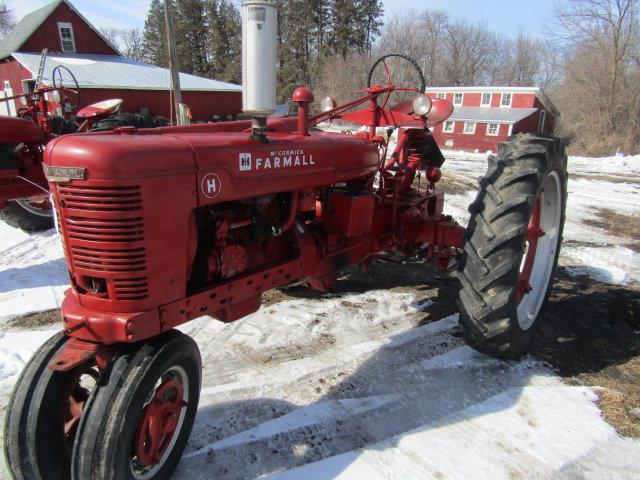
<point>506,16</point>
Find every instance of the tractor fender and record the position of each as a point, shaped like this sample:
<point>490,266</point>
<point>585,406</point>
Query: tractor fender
<point>15,130</point>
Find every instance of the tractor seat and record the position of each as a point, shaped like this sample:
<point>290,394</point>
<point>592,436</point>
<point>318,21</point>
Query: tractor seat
<point>15,130</point>
<point>100,110</point>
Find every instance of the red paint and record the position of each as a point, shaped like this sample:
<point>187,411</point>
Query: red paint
<point>534,232</point>
<point>18,130</point>
<point>135,274</point>
<point>158,422</point>
<point>204,105</point>
<point>480,140</point>
<point>12,71</point>
<point>87,40</point>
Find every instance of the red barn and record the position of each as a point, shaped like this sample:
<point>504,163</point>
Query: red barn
<point>101,71</point>
<point>485,116</point>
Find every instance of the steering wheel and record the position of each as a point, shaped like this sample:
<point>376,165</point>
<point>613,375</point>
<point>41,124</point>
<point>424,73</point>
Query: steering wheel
<point>59,85</point>
<point>395,70</point>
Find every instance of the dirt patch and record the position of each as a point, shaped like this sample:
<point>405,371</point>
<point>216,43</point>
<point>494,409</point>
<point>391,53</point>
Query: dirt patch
<point>619,224</point>
<point>591,336</point>
<point>34,320</point>
<point>452,184</point>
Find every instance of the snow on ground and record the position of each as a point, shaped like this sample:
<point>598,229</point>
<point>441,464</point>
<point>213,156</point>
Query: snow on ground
<point>594,183</point>
<point>33,275</point>
<point>368,385</point>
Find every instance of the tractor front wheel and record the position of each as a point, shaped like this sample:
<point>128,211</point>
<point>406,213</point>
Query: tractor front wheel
<point>512,245</point>
<point>138,420</point>
<point>43,415</point>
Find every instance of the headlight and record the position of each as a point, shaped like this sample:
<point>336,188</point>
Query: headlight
<point>421,105</point>
<point>327,104</point>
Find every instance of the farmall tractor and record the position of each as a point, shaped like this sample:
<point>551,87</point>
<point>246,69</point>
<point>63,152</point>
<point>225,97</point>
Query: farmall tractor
<point>165,225</point>
<point>24,190</point>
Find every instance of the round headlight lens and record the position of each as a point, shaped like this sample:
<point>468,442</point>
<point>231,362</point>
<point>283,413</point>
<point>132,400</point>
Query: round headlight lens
<point>422,105</point>
<point>327,104</point>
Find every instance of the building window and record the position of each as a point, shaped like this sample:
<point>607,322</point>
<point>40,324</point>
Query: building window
<point>486,100</point>
<point>506,100</point>
<point>469,128</point>
<point>493,129</point>
<point>448,126</point>
<point>66,37</point>
<point>457,98</point>
<point>543,121</point>
<point>441,95</point>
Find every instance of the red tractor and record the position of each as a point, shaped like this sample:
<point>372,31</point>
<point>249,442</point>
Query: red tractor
<point>165,225</point>
<point>24,191</point>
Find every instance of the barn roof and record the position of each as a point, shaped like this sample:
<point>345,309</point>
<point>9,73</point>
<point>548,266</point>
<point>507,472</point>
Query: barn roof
<point>491,114</point>
<point>115,72</point>
<point>31,22</point>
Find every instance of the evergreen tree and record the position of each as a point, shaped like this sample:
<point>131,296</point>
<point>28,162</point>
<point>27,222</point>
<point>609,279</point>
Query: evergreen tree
<point>369,23</point>
<point>224,41</point>
<point>191,36</point>
<point>154,46</point>
<point>344,34</point>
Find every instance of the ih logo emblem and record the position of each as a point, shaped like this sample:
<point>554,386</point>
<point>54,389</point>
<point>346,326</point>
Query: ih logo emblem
<point>245,162</point>
<point>211,185</point>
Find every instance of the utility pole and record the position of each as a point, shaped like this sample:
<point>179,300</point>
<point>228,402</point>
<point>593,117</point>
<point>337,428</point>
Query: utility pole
<point>173,62</point>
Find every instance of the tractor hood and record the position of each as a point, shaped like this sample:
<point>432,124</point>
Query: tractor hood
<point>225,165</point>
<point>122,155</point>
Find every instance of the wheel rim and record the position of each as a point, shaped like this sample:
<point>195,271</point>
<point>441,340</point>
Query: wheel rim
<point>160,423</point>
<point>77,391</point>
<point>40,206</point>
<point>541,244</point>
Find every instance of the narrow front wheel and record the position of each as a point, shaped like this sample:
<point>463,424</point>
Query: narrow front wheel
<point>137,422</point>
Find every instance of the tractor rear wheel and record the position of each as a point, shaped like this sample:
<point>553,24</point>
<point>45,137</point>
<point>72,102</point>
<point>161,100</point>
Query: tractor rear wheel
<point>512,245</point>
<point>43,414</point>
<point>138,420</point>
<point>30,215</point>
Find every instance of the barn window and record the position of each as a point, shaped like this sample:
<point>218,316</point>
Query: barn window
<point>457,98</point>
<point>506,100</point>
<point>493,129</point>
<point>448,126</point>
<point>469,128</point>
<point>441,95</point>
<point>486,100</point>
<point>66,37</point>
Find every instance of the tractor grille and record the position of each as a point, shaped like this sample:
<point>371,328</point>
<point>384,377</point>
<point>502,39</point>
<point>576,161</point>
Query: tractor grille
<point>104,231</point>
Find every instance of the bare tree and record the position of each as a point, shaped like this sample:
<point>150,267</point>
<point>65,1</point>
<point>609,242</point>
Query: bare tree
<point>129,41</point>
<point>600,92</point>
<point>6,19</point>
<point>605,28</point>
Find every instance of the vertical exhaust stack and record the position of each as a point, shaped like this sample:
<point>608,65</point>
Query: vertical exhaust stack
<point>259,59</point>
